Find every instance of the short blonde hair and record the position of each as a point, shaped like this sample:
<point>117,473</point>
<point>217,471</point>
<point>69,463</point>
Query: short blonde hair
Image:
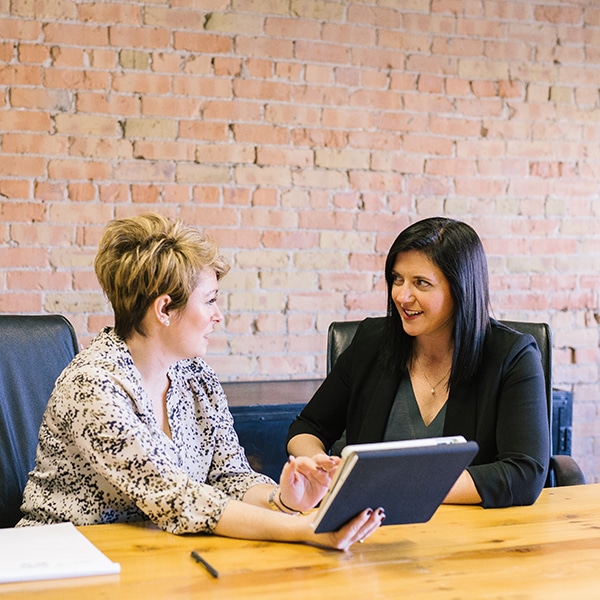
<point>141,258</point>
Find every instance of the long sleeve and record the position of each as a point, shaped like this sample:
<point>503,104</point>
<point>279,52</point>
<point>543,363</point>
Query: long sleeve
<point>102,458</point>
<point>503,409</point>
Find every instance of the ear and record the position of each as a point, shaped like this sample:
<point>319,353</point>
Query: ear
<point>160,308</point>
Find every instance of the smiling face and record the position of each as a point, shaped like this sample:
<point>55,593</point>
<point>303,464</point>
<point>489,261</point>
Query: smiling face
<point>422,296</point>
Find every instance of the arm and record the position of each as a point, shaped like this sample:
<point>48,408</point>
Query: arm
<point>242,520</point>
<point>305,444</point>
<point>120,452</point>
<point>463,491</point>
<point>512,424</point>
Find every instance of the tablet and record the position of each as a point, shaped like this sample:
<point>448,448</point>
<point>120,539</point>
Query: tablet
<point>409,479</point>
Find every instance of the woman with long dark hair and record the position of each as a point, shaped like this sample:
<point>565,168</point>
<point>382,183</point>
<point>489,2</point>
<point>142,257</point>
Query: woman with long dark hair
<point>438,364</point>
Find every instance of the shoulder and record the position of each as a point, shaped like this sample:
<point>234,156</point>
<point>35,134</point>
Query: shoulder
<point>106,356</point>
<point>363,338</point>
<point>372,328</point>
<point>105,366</point>
<point>503,342</point>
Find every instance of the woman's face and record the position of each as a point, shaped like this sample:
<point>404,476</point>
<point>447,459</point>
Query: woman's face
<point>422,296</point>
<point>192,325</point>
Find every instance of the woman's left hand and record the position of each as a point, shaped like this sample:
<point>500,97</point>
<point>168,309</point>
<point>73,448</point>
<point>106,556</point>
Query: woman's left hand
<point>305,480</point>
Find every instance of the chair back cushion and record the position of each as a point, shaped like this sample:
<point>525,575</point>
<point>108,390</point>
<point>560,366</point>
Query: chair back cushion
<point>34,349</point>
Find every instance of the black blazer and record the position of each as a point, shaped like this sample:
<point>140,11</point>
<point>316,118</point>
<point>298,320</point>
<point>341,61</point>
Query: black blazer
<point>503,409</point>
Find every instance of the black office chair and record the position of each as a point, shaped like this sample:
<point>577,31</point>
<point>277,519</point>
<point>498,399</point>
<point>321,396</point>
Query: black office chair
<point>564,470</point>
<point>33,352</point>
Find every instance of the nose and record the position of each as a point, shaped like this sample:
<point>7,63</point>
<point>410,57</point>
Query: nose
<point>217,315</point>
<point>402,293</point>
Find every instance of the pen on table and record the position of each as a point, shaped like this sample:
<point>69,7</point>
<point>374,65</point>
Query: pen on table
<point>206,565</point>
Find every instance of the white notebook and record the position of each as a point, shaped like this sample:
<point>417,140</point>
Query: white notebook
<point>50,552</point>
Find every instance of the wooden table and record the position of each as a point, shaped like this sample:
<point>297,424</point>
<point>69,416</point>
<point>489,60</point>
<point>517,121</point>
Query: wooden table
<point>546,551</point>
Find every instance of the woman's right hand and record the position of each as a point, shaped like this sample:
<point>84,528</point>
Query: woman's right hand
<point>357,530</point>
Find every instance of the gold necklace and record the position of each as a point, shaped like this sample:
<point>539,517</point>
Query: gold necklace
<point>427,378</point>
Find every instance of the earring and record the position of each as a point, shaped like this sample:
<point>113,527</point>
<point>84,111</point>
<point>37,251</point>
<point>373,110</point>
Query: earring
<point>166,322</point>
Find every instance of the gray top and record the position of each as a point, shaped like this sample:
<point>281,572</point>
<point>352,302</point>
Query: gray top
<point>405,421</point>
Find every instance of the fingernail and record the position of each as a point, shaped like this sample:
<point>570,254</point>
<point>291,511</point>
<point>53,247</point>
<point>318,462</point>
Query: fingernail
<point>369,512</point>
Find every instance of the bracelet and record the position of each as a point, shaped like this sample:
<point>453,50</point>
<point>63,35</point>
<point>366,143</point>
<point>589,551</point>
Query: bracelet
<point>281,506</point>
<point>294,512</point>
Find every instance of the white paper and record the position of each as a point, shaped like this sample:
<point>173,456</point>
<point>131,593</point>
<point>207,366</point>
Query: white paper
<point>50,552</point>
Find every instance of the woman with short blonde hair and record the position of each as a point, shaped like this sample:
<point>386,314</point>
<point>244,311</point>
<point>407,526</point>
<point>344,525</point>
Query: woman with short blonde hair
<point>138,426</point>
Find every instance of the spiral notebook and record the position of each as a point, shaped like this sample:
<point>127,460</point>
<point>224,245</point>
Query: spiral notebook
<point>409,479</point>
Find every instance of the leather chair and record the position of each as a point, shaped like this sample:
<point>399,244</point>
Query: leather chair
<point>34,350</point>
<point>564,470</point>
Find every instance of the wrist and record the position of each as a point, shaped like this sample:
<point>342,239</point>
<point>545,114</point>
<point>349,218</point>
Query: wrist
<point>276,503</point>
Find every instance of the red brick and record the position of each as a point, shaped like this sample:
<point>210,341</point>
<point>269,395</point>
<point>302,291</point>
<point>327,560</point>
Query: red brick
<point>296,28</point>
<point>20,29</point>
<point>561,15</point>
<point>232,111</point>
<point>202,42</point>
<point>139,37</point>
<point>81,192</point>
<point>76,79</point>
<point>14,302</point>
<point>30,53</point>
<point>284,156</point>
<point>147,83</point>
<point>16,75</point>
<point>75,34</point>
<point>38,280</point>
<point>216,132</point>
<point>117,104</point>
<point>265,90</point>
<point>259,68</point>
<point>374,15</point>
<point>78,169</point>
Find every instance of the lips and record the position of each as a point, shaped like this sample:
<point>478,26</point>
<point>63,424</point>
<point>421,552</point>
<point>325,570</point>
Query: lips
<point>412,313</point>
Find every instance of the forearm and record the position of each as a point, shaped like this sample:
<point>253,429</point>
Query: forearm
<point>244,520</point>
<point>305,444</point>
<point>463,491</point>
<point>249,521</point>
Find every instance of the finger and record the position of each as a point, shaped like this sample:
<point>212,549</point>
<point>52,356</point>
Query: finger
<point>306,467</point>
<point>326,463</point>
<point>288,473</point>
<point>371,526</point>
<point>350,533</point>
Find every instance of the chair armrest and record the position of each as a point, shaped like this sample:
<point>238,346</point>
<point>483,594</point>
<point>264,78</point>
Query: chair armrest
<point>566,470</point>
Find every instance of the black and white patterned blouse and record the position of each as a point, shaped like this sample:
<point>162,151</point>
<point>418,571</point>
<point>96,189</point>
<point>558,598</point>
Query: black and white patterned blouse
<point>102,457</point>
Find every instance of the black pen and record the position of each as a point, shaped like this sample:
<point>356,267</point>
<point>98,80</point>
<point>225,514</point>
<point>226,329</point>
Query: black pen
<point>206,565</point>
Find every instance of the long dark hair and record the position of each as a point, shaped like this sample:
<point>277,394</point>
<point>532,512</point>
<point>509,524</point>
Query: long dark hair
<point>455,248</point>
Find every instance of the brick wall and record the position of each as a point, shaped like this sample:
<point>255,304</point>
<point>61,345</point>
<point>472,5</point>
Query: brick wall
<point>304,135</point>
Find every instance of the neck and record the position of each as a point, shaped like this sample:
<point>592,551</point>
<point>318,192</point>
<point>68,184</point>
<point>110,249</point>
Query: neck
<point>148,359</point>
<point>433,351</point>
<point>155,380</point>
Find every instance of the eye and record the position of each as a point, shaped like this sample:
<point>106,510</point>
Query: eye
<point>423,283</point>
<point>396,279</point>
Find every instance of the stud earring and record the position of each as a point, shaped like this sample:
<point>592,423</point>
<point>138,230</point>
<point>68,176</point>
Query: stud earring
<point>166,322</point>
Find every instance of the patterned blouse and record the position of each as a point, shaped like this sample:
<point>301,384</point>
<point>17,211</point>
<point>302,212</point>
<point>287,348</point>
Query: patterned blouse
<point>102,457</point>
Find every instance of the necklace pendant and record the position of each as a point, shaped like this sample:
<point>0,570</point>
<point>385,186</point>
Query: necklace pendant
<point>433,391</point>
